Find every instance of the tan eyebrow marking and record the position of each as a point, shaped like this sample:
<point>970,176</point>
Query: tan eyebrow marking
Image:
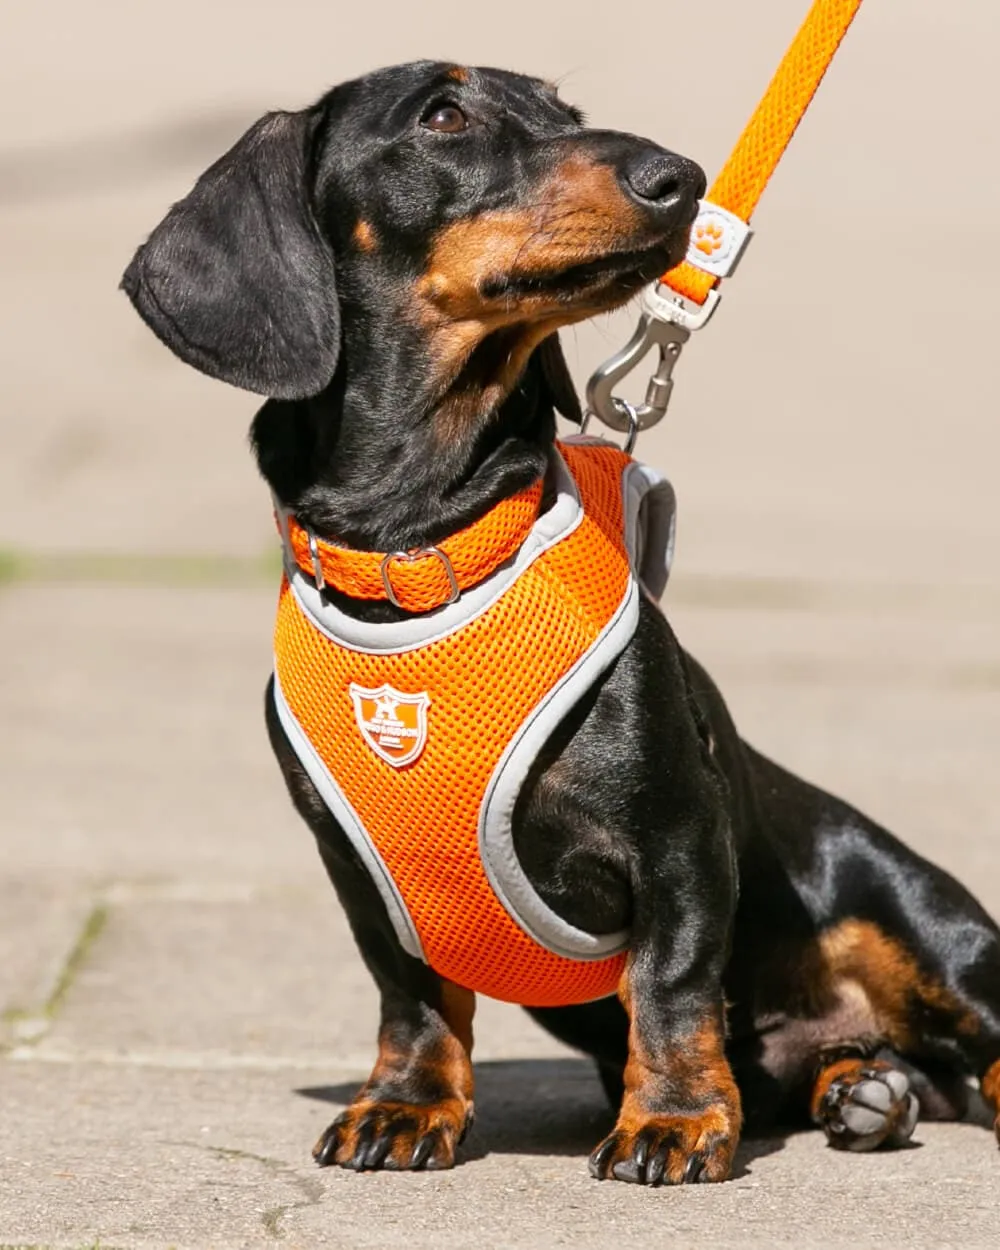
<point>364,236</point>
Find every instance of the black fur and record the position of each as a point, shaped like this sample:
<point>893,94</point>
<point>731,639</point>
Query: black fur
<point>295,268</point>
<point>238,279</point>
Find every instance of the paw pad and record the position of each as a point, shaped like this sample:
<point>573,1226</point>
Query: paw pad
<point>869,1107</point>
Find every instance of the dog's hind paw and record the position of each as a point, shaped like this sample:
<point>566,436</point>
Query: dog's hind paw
<point>864,1104</point>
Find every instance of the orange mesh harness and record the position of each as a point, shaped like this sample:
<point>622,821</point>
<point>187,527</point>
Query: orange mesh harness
<point>419,734</point>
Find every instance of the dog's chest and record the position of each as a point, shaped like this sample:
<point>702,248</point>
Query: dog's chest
<point>422,751</point>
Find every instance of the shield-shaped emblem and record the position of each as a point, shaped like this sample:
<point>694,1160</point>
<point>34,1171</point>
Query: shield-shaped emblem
<point>393,724</point>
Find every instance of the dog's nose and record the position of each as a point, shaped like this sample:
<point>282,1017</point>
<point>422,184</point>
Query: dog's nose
<point>662,179</point>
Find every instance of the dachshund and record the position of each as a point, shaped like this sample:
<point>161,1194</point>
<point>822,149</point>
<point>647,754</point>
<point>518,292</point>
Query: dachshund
<point>390,268</point>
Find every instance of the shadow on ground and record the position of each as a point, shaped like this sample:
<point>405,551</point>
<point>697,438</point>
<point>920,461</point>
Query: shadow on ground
<point>542,1107</point>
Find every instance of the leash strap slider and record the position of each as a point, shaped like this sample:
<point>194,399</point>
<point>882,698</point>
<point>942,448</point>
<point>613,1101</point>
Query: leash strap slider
<point>718,240</point>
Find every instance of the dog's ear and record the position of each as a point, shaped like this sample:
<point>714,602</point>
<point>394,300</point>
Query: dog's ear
<point>557,380</point>
<point>238,279</point>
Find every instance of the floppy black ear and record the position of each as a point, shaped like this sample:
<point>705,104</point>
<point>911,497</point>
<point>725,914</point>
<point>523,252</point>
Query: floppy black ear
<point>557,379</point>
<point>237,279</point>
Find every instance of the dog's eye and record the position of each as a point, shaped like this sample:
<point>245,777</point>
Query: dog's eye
<point>446,118</point>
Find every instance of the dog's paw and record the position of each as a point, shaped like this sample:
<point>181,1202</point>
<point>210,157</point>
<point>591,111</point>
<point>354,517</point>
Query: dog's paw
<point>866,1104</point>
<point>395,1135</point>
<point>669,1149</point>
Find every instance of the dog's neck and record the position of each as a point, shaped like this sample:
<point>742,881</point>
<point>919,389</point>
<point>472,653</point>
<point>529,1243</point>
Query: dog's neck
<point>376,461</point>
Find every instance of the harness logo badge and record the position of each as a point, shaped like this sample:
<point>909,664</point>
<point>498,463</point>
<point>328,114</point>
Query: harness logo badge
<point>392,723</point>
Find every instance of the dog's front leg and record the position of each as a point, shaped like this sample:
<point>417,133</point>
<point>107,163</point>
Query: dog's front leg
<point>680,1114</point>
<point>416,1107</point>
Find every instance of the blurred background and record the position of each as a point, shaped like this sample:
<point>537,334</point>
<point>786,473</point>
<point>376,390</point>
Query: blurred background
<point>833,440</point>
<point>833,437</point>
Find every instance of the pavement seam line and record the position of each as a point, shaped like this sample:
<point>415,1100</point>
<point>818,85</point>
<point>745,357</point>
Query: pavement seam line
<point>92,929</point>
<point>720,591</point>
<point>138,569</point>
<point>30,1027</point>
<point>272,1218</point>
<point>191,1060</point>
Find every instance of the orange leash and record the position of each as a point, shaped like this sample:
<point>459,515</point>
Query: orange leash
<point>755,157</point>
<point>721,231</point>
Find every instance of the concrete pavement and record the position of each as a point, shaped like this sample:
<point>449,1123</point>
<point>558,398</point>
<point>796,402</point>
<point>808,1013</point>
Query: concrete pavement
<point>182,1007</point>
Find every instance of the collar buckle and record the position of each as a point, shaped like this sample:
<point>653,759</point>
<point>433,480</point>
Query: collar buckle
<point>317,562</point>
<point>409,557</point>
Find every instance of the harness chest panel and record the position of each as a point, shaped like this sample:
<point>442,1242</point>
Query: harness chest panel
<point>421,751</point>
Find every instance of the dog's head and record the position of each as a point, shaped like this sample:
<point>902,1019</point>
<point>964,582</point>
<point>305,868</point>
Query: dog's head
<point>471,204</point>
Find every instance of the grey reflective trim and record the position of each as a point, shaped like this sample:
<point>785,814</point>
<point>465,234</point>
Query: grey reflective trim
<point>347,818</point>
<point>650,525</point>
<point>650,517</point>
<point>496,843</point>
<point>395,637</point>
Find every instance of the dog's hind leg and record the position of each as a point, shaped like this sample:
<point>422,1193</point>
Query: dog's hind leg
<point>933,1019</point>
<point>855,949</point>
<point>934,998</point>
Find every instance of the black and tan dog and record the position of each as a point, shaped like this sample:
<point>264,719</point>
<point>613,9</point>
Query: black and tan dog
<point>390,268</point>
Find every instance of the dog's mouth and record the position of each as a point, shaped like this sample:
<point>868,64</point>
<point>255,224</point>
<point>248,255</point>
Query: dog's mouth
<point>614,275</point>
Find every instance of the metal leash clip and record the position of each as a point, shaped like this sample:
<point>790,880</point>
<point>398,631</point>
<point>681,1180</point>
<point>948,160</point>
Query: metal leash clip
<point>666,323</point>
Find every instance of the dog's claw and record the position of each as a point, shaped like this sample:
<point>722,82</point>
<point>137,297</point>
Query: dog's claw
<point>673,1150</point>
<point>364,1144</point>
<point>657,1166</point>
<point>599,1159</point>
<point>326,1147</point>
<point>396,1136</point>
<point>628,1170</point>
<point>423,1150</point>
<point>376,1153</point>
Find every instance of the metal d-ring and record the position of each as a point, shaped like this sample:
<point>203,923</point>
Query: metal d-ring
<point>632,417</point>
<point>418,554</point>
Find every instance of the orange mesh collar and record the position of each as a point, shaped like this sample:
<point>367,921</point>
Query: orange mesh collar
<point>429,577</point>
